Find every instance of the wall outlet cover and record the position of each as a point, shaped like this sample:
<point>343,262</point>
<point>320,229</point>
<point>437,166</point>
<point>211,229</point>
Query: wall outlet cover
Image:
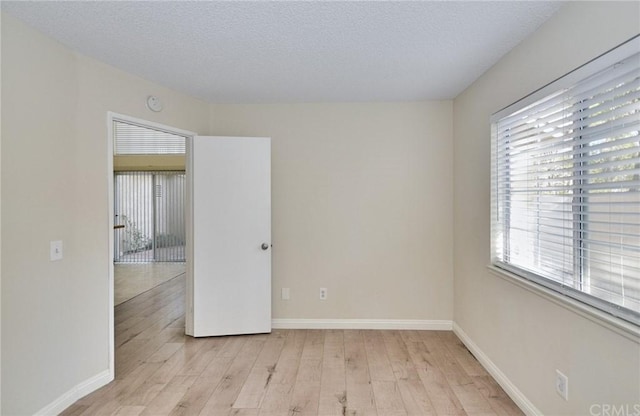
<point>55,250</point>
<point>562,385</point>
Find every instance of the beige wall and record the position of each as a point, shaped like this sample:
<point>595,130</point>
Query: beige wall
<point>362,205</point>
<point>54,187</point>
<point>526,336</point>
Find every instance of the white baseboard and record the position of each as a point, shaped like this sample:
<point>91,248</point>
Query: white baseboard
<point>433,325</point>
<point>516,395</point>
<point>75,393</point>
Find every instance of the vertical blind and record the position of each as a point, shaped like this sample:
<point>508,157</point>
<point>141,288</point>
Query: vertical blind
<point>149,210</point>
<point>566,188</point>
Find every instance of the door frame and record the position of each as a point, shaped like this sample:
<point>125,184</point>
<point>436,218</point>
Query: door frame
<point>111,117</point>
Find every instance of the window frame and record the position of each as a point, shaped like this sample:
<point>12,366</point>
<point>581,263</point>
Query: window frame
<point>566,294</point>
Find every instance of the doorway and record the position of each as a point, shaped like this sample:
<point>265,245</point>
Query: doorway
<point>147,190</point>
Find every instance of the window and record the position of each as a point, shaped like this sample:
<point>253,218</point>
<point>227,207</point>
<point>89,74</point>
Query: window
<point>132,139</point>
<point>566,184</point>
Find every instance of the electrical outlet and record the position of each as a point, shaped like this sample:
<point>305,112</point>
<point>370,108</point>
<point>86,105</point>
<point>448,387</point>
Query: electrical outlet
<point>562,385</point>
<point>285,294</point>
<point>323,293</point>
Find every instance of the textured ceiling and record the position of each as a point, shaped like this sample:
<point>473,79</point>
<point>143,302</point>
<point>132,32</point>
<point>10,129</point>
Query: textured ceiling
<point>264,51</point>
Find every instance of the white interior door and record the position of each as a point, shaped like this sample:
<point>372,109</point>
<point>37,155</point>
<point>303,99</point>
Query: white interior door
<point>229,236</point>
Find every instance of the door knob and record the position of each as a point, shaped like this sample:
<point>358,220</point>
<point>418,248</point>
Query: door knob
<point>264,246</point>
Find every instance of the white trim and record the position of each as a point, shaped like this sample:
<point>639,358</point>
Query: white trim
<point>432,325</point>
<point>613,323</point>
<point>111,116</point>
<point>516,395</point>
<point>188,223</point>
<point>150,124</point>
<point>75,393</point>
<point>110,239</point>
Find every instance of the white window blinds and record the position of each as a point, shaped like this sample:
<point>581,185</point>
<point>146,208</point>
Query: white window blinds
<point>566,188</point>
<point>131,139</point>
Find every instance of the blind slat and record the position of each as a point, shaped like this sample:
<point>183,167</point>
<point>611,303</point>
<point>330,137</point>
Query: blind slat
<point>132,139</point>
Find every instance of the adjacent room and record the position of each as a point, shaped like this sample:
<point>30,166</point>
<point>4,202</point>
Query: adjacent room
<point>149,188</point>
<point>320,208</point>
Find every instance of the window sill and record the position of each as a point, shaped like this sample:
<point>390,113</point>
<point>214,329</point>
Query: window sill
<point>620,326</point>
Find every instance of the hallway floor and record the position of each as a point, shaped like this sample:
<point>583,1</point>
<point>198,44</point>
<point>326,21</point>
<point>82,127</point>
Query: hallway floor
<point>132,279</point>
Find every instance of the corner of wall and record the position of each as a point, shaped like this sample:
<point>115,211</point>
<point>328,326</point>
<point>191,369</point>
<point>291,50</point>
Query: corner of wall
<point>501,378</point>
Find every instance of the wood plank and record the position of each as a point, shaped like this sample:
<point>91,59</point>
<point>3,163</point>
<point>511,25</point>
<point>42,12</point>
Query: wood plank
<point>171,365</point>
<point>75,409</point>
<point>333,388</point>
<point>314,345</point>
<point>136,352</point>
<point>387,395</point>
<point>447,363</point>
<point>464,357</point>
<point>388,398</point>
<point>442,398</point>
<point>129,411</point>
<point>194,399</point>
<point>168,398</point>
<point>473,402</point>
<point>108,399</point>
<point>274,412</point>
<point>306,392</point>
<point>360,397</point>
<point>242,412</point>
<point>280,391</point>
<point>500,402</point>
<point>227,391</point>
<point>414,396</point>
<point>211,347</point>
<point>261,375</point>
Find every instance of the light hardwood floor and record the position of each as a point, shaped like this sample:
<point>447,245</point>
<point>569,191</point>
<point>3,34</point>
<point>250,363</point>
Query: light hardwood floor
<point>160,371</point>
<point>132,279</point>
